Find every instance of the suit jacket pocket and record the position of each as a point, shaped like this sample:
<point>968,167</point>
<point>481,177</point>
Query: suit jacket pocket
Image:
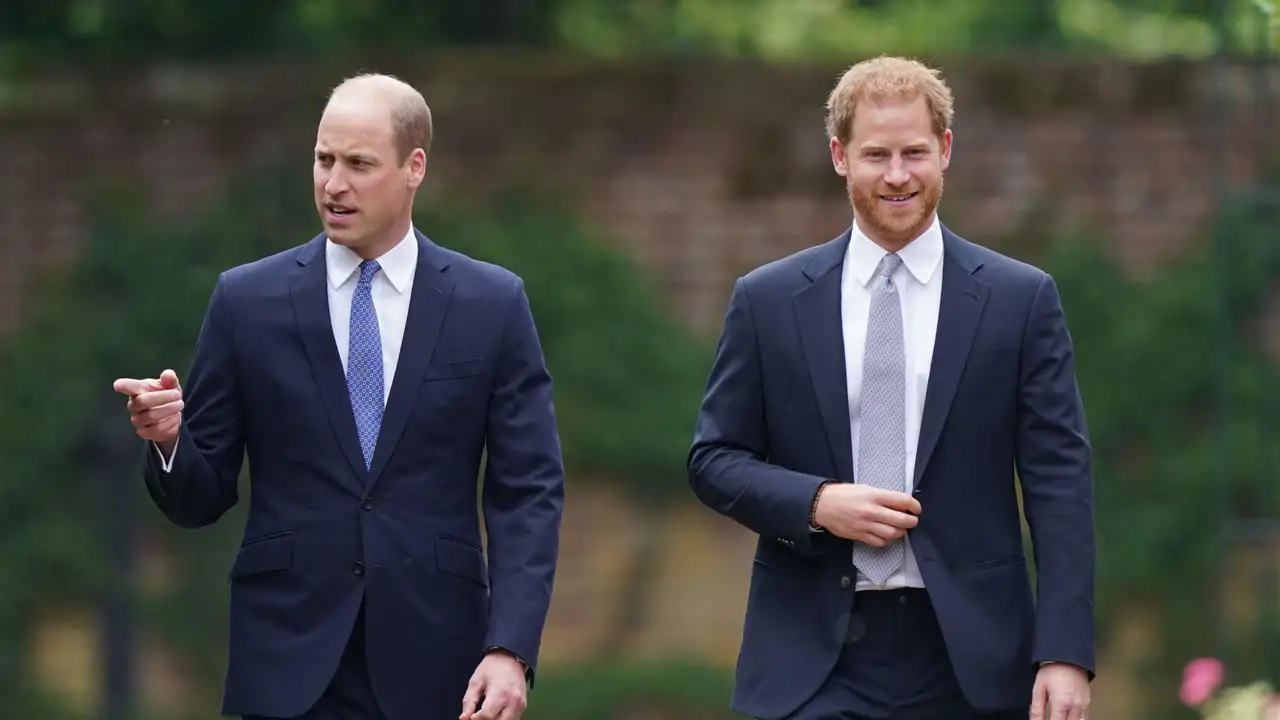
<point>997,357</point>
<point>455,369</point>
<point>1001,348</point>
<point>1000,561</point>
<point>460,559</point>
<point>263,555</point>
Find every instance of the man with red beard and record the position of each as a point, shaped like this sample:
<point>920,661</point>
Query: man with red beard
<point>869,402</point>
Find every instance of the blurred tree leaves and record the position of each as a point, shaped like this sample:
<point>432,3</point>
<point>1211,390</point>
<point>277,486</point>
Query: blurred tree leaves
<point>809,29</point>
<point>1271,11</point>
<point>33,31</point>
<point>166,28</point>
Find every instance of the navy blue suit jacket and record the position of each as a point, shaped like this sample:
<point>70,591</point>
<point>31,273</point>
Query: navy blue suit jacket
<point>323,533</point>
<point>1002,395</point>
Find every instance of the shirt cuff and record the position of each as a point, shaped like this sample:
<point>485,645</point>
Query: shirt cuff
<point>166,464</point>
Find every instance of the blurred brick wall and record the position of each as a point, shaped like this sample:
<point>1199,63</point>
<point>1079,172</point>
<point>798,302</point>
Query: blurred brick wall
<point>700,170</point>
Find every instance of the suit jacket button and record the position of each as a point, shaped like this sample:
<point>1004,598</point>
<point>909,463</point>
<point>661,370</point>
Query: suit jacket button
<point>845,581</point>
<point>359,568</point>
<point>368,504</point>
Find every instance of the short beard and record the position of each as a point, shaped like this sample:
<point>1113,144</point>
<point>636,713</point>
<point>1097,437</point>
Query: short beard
<point>890,230</point>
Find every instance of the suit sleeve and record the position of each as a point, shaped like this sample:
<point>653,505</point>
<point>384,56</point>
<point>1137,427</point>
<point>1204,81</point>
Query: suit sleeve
<point>727,463</point>
<point>523,496</point>
<point>1055,465</point>
<point>199,484</point>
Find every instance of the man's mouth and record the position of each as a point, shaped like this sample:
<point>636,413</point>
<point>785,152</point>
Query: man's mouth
<point>339,210</point>
<point>899,199</point>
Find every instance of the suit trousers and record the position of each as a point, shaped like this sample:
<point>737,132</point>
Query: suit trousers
<point>349,695</point>
<point>893,666</point>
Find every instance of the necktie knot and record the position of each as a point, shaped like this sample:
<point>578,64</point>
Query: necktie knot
<point>368,269</point>
<point>889,265</point>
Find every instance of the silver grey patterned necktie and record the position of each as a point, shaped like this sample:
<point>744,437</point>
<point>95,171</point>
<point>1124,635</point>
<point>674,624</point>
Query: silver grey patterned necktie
<point>882,440</point>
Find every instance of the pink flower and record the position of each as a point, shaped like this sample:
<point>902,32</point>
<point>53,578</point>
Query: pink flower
<point>1272,710</point>
<point>1200,679</point>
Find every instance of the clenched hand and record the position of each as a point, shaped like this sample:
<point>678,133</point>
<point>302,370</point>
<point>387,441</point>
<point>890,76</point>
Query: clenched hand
<point>865,514</point>
<point>155,407</point>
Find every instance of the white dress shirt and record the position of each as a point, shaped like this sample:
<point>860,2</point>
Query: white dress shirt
<point>919,283</point>
<point>391,289</point>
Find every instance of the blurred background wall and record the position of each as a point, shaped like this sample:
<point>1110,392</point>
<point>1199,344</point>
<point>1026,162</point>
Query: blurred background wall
<point>631,159</point>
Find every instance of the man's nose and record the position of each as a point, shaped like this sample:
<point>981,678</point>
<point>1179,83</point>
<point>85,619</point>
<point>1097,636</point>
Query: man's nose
<point>896,174</point>
<point>336,183</point>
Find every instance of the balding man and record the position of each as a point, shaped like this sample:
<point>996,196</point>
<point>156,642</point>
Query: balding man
<point>365,374</point>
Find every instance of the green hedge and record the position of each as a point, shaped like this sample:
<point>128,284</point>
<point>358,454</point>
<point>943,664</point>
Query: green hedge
<point>1183,409</point>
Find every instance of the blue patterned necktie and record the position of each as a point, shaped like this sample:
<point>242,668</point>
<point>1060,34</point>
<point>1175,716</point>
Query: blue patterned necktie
<point>364,362</point>
<point>882,437</point>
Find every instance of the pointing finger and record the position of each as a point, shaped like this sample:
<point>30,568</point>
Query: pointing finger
<point>129,386</point>
<point>132,386</point>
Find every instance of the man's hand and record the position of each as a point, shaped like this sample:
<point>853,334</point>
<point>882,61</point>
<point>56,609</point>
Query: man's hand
<point>1061,693</point>
<point>865,514</point>
<point>498,688</point>
<point>155,407</point>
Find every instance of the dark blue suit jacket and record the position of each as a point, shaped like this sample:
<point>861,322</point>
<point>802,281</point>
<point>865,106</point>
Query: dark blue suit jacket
<point>323,533</point>
<point>1002,395</point>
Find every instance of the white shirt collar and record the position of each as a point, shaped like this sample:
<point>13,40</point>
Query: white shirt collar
<point>921,256</point>
<point>398,263</point>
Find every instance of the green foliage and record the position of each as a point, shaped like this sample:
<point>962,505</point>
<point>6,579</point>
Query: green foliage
<point>104,29</point>
<point>628,383</point>
<point>811,29</point>
<point>1271,16</point>
<point>33,32</point>
<point>1182,404</point>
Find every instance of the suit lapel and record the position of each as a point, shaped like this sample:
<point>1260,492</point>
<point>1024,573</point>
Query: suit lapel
<point>963,299</point>
<point>310,299</point>
<point>818,316</point>
<point>428,305</point>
